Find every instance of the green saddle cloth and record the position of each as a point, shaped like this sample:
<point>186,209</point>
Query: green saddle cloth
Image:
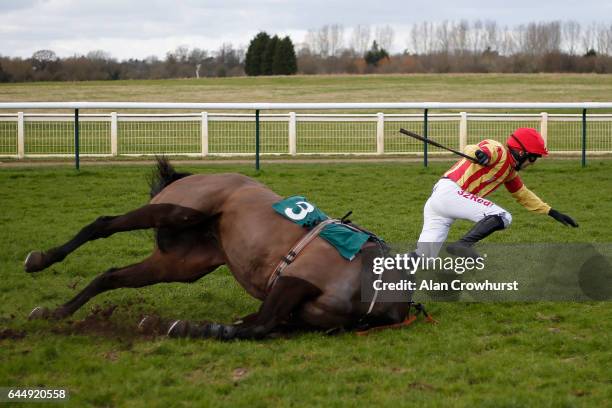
<point>299,210</point>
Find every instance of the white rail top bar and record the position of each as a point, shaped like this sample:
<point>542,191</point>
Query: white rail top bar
<point>302,106</point>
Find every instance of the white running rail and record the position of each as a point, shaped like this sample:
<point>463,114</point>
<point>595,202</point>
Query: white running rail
<point>205,132</point>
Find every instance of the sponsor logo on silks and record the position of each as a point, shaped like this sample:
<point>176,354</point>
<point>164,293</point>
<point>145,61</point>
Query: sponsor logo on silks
<point>475,198</point>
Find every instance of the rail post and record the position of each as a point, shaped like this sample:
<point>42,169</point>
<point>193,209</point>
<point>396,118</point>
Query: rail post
<point>463,131</point>
<point>380,133</point>
<point>544,127</point>
<point>76,139</point>
<point>425,126</point>
<point>20,136</point>
<point>584,137</point>
<point>257,139</point>
<point>114,150</point>
<point>204,134</point>
<point>292,133</point>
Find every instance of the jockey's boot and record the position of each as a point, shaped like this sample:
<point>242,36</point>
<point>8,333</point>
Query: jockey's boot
<point>482,229</point>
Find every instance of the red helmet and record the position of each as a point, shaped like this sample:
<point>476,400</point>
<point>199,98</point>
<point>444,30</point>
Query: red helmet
<point>527,141</point>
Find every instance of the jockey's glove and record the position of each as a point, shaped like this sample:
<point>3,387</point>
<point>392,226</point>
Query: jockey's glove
<point>482,157</point>
<point>562,218</point>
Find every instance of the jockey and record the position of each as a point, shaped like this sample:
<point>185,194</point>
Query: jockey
<point>461,192</point>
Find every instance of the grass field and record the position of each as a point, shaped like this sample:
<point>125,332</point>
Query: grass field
<point>510,355</point>
<point>332,88</point>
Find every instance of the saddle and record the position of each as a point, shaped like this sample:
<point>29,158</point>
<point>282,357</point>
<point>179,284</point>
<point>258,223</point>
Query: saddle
<point>342,234</point>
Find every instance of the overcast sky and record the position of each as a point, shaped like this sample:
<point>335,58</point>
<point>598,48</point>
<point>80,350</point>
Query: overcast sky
<point>140,28</point>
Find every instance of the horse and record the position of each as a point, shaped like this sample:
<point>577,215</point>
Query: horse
<point>204,221</point>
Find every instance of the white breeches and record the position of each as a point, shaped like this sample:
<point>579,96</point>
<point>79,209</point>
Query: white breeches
<point>446,204</point>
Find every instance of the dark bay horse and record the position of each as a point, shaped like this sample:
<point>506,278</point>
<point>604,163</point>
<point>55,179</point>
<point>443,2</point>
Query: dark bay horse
<point>205,221</point>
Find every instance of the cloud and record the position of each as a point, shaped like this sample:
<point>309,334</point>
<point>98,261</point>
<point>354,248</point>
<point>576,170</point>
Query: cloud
<point>140,28</point>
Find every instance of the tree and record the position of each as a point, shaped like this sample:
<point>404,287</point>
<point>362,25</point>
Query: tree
<point>285,61</point>
<point>384,36</point>
<point>336,39</point>
<point>360,39</point>
<point>267,60</point>
<point>98,55</point>
<point>4,76</point>
<point>41,59</point>
<point>375,54</point>
<point>254,55</point>
<point>571,35</point>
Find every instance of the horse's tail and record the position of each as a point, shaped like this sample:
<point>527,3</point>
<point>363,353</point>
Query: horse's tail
<point>163,175</point>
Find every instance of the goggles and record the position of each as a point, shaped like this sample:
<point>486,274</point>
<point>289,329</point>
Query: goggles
<point>533,157</point>
<point>525,155</point>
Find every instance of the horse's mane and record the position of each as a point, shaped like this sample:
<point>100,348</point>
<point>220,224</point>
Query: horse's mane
<point>163,175</point>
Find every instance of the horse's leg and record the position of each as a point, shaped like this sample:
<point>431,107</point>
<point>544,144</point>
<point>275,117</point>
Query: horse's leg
<point>287,294</point>
<point>176,266</point>
<point>148,216</point>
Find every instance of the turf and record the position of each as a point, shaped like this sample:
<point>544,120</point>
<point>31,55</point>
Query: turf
<point>327,88</point>
<point>518,354</point>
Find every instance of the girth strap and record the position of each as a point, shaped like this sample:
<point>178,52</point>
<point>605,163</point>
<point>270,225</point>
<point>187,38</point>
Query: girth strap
<point>297,248</point>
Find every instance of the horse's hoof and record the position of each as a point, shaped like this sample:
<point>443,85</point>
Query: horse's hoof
<point>178,328</point>
<point>39,313</point>
<point>148,324</point>
<point>34,262</point>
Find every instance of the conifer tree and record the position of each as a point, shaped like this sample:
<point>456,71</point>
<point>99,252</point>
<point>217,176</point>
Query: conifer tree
<point>267,60</point>
<point>285,60</point>
<point>255,53</point>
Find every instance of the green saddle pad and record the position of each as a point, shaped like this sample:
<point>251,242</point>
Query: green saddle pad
<point>299,210</point>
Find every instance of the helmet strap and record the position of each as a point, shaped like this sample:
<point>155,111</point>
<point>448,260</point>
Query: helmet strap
<point>518,158</point>
<point>521,157</point>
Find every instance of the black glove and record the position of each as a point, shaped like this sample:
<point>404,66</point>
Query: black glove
<point>562,218</point>
<point>482,157</point>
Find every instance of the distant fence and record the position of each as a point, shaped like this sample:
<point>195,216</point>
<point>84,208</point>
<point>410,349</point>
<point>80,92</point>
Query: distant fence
<point>204,133</point>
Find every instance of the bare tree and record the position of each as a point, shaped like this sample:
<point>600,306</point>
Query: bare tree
<point>196,58</point>
<point>336,39</point>
<point>180,54</point>
<point>444,36</point>
<point>384,36</point>
<point>492,35</point>
<point>537,38</point>
<point>588,38</point>
<point>476,37</point>
<point>41,59</point>
<point>604,39</point>
<point>571,36</point>
<point>310,42</point>
<point>360,39</point>
<point>552,32</point>
<point>323,41</point>
<point>461,32</point>
<point>98,55</point>
<point>423,37</point>
<point>414,40</point>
